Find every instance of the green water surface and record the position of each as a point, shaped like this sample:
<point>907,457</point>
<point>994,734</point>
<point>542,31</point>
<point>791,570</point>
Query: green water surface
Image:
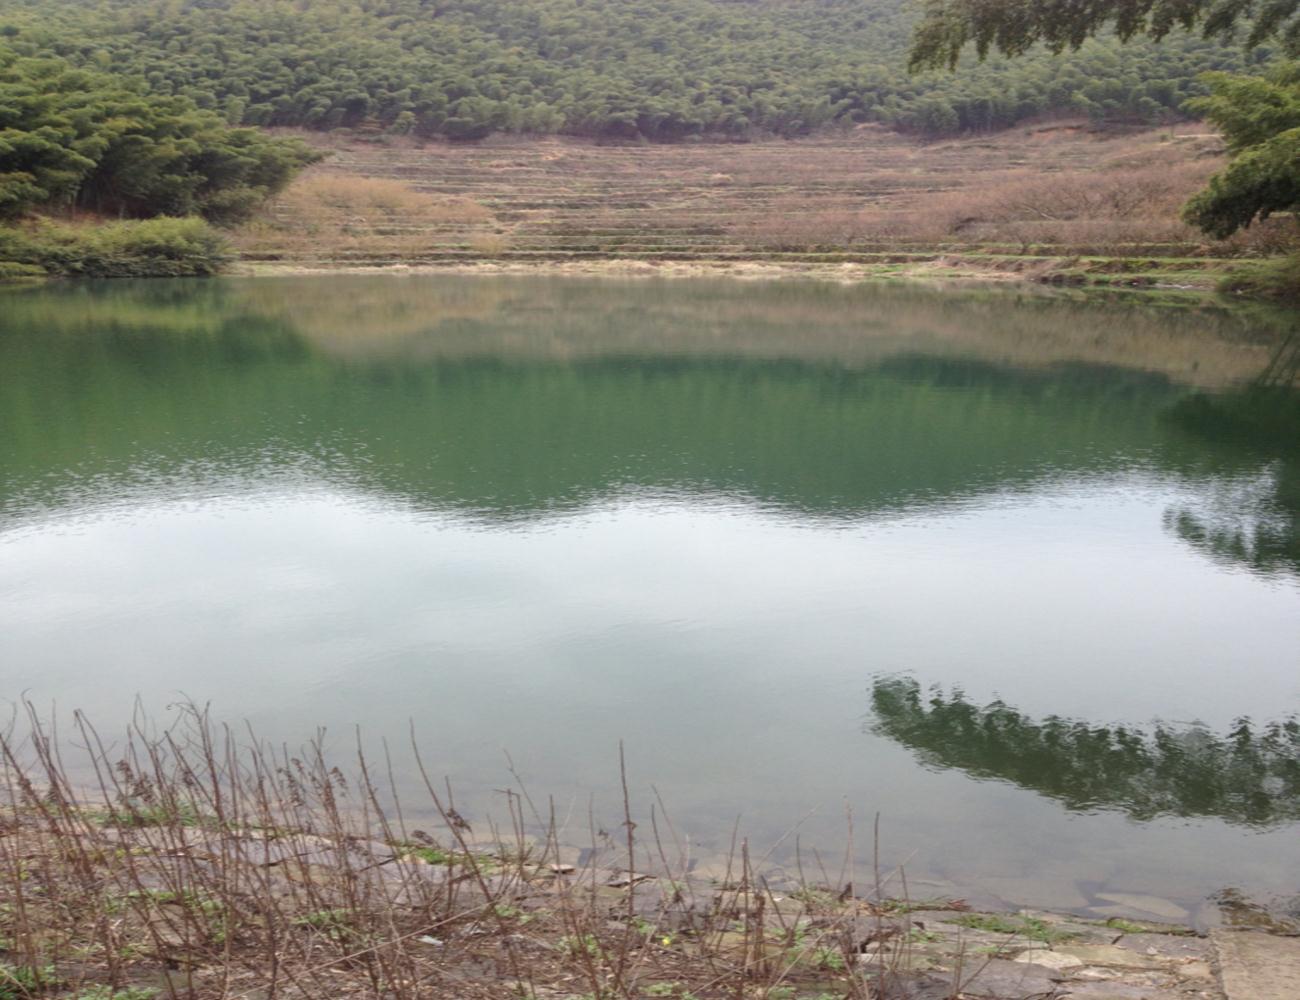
<point>1020,573</point>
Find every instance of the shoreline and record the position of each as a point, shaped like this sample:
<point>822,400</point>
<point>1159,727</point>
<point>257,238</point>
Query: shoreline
<point>199,865</point>
<point>401,913</point>
<point>1046,274</point>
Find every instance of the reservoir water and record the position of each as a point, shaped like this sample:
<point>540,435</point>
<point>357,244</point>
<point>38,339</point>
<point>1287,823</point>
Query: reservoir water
<point>1019,573</point>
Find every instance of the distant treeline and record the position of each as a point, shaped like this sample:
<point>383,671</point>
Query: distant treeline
<point>663,70</point>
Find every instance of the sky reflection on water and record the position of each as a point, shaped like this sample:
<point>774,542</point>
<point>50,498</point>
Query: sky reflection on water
<point>717,524</point>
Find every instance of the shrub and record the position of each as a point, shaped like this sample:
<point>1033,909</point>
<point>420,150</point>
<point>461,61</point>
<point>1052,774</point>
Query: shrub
<point>150,248</point>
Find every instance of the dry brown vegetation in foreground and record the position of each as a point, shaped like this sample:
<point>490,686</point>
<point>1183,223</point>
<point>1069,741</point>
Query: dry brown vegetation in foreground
<point>203,864</point>
<point>1054,191</point>
<point>194,861</point>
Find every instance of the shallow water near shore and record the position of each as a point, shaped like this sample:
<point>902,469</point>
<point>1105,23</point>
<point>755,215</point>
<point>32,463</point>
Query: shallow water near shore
<point>1020,573</point>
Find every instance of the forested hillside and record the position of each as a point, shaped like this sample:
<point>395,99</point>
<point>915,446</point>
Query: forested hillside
<point>660,69</point>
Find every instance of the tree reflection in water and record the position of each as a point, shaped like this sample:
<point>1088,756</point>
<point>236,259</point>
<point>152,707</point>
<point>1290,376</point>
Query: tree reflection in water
<point>1259,531</point>
<point>1249,775</point>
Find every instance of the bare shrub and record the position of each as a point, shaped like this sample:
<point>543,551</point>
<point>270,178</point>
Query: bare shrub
<point>199,861</point>
<point>792,224</point>
<point>1128,194</point>
<point>1097,208</point>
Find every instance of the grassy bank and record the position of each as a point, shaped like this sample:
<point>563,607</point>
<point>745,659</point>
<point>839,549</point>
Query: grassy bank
<point>197,862</point>
<point>1188,280</point>
<point>146,248</point>
<point>1277,279</point>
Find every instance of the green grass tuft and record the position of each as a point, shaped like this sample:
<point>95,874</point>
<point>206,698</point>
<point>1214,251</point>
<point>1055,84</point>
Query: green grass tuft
<point>1029,928</point>
<point>1276,278</point>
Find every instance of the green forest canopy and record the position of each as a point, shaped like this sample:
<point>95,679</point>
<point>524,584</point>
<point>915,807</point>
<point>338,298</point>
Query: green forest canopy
<point>78,138</point>
<point>659,69</point>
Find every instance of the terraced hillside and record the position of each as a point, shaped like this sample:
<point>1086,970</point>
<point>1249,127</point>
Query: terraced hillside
<point>868,196</point>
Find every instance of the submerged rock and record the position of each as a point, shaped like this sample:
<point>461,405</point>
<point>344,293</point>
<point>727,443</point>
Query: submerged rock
<point>1152,906</point>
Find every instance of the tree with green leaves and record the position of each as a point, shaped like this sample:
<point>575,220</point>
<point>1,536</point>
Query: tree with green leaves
<point>72,137</point>
<point>1258,116</point>
<point>1260,121</point>
<point>1012,27</point>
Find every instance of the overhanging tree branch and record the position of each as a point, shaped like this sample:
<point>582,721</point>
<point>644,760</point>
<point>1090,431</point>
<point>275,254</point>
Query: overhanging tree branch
<point>1013,26</point>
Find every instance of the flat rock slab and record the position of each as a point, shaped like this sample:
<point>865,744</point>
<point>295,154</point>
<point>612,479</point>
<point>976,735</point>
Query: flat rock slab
<point>999,977</point>
<point>1255,966</point>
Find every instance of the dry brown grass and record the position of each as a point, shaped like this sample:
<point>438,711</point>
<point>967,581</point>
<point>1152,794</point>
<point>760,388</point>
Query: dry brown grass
<point>348,211</point>
<point>348,198</point>
<point>1104,207</point>
<point>1059,190</point>
<point>1130,196</point>
<point>195,861</point>
<point>1129,199</point>
<point>489,244</point>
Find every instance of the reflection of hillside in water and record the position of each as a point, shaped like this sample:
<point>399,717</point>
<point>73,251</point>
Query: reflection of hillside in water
<point>517,398</point>
<point>420,319</point>
<point>1249,775</point>
<point>844,324</point>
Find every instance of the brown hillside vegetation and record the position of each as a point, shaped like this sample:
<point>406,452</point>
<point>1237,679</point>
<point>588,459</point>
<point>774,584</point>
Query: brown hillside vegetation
<point>1051,192</point>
